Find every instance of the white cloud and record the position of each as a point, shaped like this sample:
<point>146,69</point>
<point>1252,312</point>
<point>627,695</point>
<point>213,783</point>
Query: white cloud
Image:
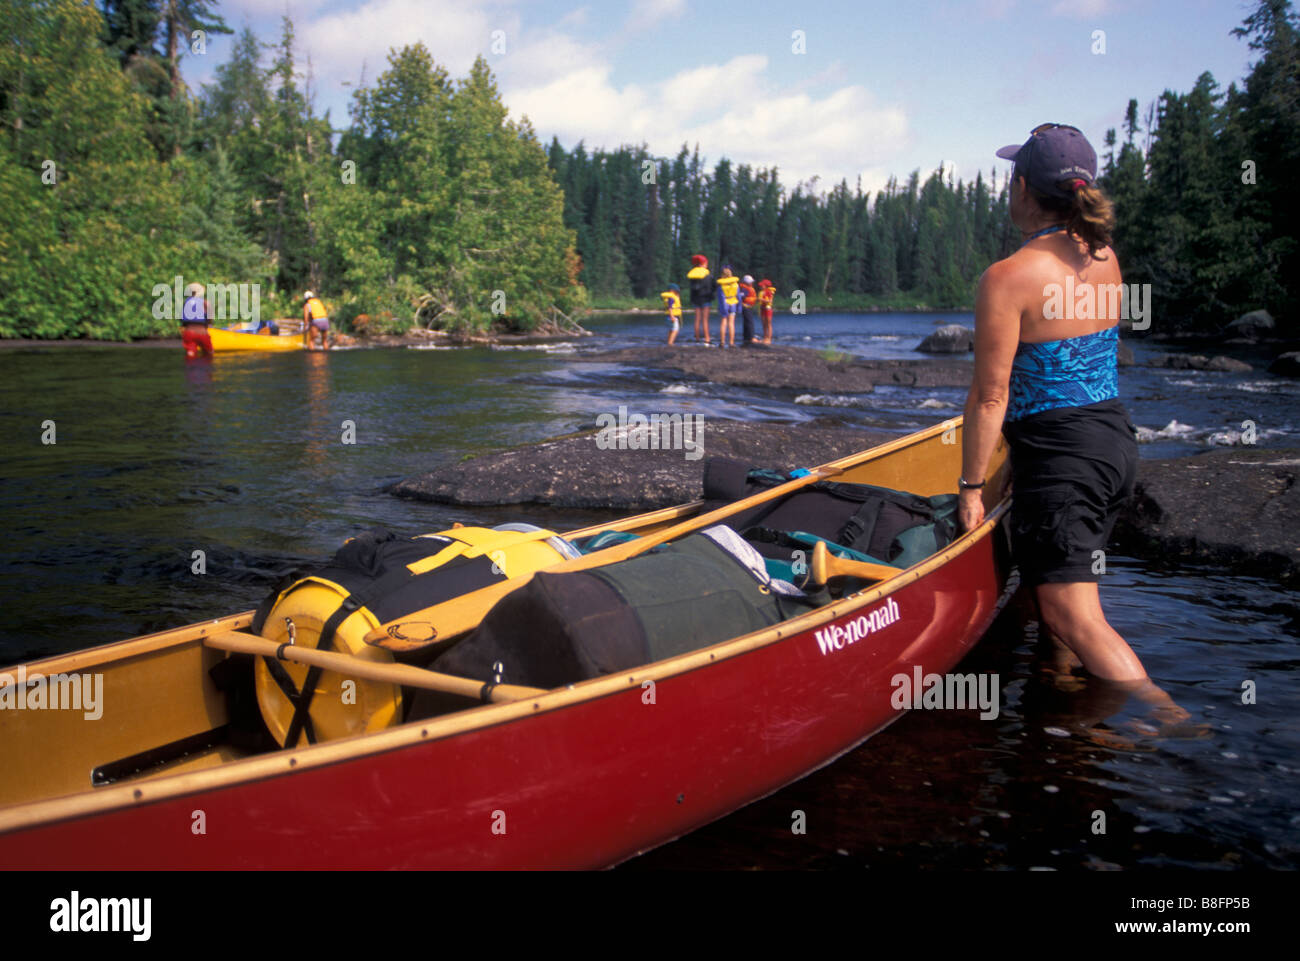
<point>734,109</point>
<point>455,33</point>
<point>646,12</point>
<point>737,108</point>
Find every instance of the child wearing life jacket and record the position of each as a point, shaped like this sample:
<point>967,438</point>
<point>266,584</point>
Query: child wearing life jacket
<point>672,298</point>
<point>728,305</point>
<point>766,294</point>
<point>748,298</point>
<point>701,293</point>
<point>196,314</point>
<point>315,321</point>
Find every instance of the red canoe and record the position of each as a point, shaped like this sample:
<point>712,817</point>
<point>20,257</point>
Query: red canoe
<point>579,777</point>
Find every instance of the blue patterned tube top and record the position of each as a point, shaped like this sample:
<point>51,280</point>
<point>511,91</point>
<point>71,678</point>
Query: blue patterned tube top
<point>1073,372</point>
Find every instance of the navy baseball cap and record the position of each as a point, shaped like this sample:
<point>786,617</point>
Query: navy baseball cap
<point>1054,154</point>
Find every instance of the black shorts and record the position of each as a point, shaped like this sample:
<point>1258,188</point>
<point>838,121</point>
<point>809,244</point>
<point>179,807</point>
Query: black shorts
<point>1072,470</point>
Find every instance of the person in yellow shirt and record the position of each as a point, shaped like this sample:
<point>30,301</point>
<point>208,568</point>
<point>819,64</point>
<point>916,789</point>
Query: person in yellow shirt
<point>728,305</point>
<point>672,298</point>
<point>315,320</point>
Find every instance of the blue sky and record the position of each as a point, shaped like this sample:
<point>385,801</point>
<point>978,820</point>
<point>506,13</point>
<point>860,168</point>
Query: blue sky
<point>880,89</point>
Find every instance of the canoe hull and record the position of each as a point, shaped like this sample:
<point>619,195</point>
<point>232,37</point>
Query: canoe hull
<point>656,761</point>
<point>227,341</point>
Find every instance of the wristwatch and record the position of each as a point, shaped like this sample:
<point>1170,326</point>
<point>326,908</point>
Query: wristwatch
<point>963,485</point>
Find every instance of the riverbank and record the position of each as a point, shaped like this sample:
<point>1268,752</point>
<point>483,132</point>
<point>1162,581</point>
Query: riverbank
<point>417,337</point>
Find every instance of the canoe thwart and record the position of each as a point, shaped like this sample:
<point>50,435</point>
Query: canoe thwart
<point>404,674</point>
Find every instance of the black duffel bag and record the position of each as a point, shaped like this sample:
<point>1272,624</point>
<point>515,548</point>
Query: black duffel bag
<point>892,526</point>
<point>563,628</point>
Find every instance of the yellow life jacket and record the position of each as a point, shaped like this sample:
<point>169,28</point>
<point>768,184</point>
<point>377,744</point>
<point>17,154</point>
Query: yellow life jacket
<point>672,301</point>
<point>316,309</point>
<point>695,273</point>
<point>728,287</point>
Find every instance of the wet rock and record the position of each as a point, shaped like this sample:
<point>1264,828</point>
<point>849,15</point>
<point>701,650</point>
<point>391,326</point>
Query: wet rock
<point>1286,365</point>
<point>575,472</point>
<point>1198,362</point>
<point>949,339</point>
<point>791,368</point>
<point>1253,324</point>
<point>1229,364</point>
<point>1237,508</point>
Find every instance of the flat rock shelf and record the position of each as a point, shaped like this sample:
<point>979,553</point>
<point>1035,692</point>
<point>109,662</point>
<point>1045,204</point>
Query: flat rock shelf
<point>792,368</point>
<point>1237,507</point>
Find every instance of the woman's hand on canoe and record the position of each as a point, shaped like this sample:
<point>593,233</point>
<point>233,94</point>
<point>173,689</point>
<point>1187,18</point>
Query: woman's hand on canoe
<point>970,509</point>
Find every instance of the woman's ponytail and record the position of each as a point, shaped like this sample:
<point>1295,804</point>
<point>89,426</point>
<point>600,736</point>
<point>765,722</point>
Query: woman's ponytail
<point>1088,213</point>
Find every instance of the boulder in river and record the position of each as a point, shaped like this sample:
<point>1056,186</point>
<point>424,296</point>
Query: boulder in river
<point>1287,365</point>
<point>1253,324</point>
<point>949,339</point>
<point>1229,364</point>
<point>1237,508</point>
<point>1198,362</point>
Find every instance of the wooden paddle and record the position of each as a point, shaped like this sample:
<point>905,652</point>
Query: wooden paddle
<point>455,616</point>
<point>826,565</point>
<point>403,674</point>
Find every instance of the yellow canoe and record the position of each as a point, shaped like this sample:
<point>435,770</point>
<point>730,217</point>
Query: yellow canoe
<point>227,340</point>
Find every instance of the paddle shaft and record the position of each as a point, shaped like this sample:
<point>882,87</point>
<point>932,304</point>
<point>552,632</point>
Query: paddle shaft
<point>403,674</point>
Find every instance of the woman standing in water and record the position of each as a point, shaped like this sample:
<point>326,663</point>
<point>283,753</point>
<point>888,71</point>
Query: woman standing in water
<point>1048,381</point>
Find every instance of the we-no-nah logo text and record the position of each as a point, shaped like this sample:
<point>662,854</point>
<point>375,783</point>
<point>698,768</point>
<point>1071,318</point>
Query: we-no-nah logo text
<point>835,637</point>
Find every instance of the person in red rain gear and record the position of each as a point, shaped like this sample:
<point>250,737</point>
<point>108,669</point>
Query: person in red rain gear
<point>196,314</point>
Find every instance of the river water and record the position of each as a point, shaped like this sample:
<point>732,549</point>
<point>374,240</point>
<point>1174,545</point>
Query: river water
<point>247,459</point>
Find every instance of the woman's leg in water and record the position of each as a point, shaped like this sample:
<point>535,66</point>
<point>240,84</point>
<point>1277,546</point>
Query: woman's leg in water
<point>1073,613</point>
